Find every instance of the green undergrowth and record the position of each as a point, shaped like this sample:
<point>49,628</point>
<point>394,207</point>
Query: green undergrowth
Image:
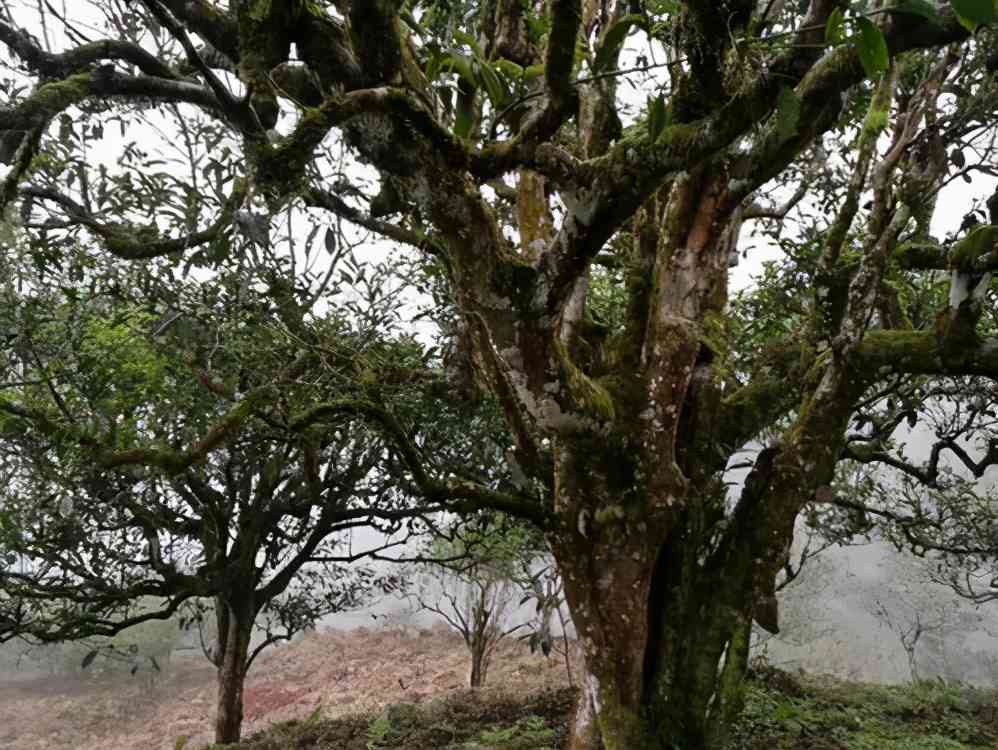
<point>782,712</point>
<point>798,712</point>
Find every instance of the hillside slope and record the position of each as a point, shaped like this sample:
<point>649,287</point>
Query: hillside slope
<point>359,671</point>
<point>404,690</point>
<point>783,712</point>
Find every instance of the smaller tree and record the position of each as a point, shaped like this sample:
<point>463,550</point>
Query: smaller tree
<point>918,612</point>
<point>146,457</point>
<point>472,576</point>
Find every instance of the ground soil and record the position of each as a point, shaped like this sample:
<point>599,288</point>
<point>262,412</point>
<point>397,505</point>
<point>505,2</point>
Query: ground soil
<point>356,672</point>
<point>406,690</point>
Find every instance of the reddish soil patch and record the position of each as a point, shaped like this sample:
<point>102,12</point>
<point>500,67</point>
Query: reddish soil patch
<point>339,673</point>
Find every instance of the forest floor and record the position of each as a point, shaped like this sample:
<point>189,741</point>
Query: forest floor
<point>404,690</point>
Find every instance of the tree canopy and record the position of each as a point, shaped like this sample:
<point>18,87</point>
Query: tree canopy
<point>570,181</point>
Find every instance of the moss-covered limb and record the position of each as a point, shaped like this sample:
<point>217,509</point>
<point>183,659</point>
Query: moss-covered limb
<point>53,97</point>
<point>636,165</point>
<point>975,253</point>
<point>23,156</point>
<point>559,61</point>
<point>141,243</point>
<point>922,353</point>
<point>208,21</point>
<point>175,462</point>
<point>50,65</point>
<point>835,237</point>
<point>978,251</point>
<point>21,420</point>
<point>297,82</point>
<point>264,43</point>
<point>280,167</point>
<point>921,256</point>
<point>752,407</point>
<point>46,101</point>
<point>706,50</point>
<point>778,147</point>
<point>324,44</point>
<point>585,395</point>
<point>374,26</point>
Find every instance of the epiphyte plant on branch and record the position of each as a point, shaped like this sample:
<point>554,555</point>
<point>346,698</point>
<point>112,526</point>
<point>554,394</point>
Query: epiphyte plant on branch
<point>586,250</point>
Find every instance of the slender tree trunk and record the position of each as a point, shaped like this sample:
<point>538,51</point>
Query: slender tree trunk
<point>479,665</point>
<point>232,674</point>
<point>913,665</point>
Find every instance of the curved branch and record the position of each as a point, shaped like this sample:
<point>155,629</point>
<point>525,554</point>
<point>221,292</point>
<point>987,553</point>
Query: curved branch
<point>50,65</point>
<point>141,243</point>
<point>318,198</point>
<point>910,526</point>
<point>922,353</point>
<point>454,494</point>
<point>218,28</point>
<point>619,182</point>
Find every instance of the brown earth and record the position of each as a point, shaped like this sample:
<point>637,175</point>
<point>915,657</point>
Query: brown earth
<point>337,673</point>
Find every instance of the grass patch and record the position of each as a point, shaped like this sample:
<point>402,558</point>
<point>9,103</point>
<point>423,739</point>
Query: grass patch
<point>827,714</point>
<point>783,712</point>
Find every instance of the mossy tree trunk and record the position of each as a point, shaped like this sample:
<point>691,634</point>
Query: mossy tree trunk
<point>622,436</point>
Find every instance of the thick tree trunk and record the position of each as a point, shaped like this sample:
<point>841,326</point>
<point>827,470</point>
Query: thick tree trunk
<point>662,605</point>
<point>232,675</point>
<point>665,649</point>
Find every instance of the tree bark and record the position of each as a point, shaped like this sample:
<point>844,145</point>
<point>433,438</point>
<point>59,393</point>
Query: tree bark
<point>665,642</point>
<point>479,665</point>
<point>234,646</point>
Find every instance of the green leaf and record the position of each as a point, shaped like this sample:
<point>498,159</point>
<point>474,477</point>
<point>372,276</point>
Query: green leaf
<point>88,659</point>
<point>260,10</point>
<point>656,116</point>
<point>509,68</point>
<point>461,64</point>
<point>494,87</point>
<point>787,113</point>
<point>872,47</point>
<point>433,66</point>
<point>532,72</point>
<point>471,42</point>
<point>464,116</point>
<point>613,41</point>
<point>974,13</point>
<point>923,8</point>
<point>835,29</point>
